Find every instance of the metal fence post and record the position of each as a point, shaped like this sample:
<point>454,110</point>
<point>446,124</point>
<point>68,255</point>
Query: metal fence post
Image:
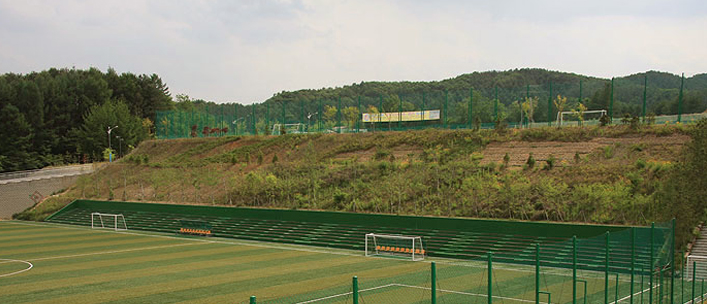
<point>446,108</point>
<point>682,84</point>
<point>650,267</point>
<point>358,117</point>
<point>471,108</point>
<point>355,290</point>
<point>490,278</point>
<point>611,104</point>
<point>672,262</point>
<point>495,107</point>
<point>694,264</point>
<point>537,273</point>
<point>338,116</point>
<point>549,107</point>
<point>574,269</point>
<point>422,115</point>
<point>606,268</point>
<point>434,282</point>
<point>645,88</point>
<point>633,260</point>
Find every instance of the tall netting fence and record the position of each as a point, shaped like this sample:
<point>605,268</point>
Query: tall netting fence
<point>634,265</point>
<point>635,99</point>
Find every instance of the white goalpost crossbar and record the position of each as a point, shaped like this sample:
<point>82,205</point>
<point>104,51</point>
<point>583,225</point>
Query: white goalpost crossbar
<point>118,221</point>
<point>561,115</point>
<point>394,245</point>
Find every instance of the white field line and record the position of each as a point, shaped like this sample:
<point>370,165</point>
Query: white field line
<point>635,293</point>
<point>417,287</point>
<point>110,252</point>
<point>16,272</point>
<point>468,293</point>
<point>345,294</point>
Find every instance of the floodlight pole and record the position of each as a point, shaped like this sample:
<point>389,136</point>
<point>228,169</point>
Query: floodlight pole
<point>120,145</point>
<point>110,151</point>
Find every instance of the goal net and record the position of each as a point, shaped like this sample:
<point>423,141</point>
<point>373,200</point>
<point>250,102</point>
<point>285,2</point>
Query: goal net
<point>589,117</point>
<point>697,267</point>
<point>395,245</point>
<point>108,221</point>
<point>278,129</point>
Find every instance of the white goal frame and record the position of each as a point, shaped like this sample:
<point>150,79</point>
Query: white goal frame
<point>561,115</point>
<point>117,219</point>
<point>415,249</point>
<point>300,128</point>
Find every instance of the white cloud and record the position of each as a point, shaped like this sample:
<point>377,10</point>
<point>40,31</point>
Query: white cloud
<point>247,50</point>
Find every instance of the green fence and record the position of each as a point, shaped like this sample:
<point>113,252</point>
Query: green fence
<point>522,106</point>
<point>571,257</point>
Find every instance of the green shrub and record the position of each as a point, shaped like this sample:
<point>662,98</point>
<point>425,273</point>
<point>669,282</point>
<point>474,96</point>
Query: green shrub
<point>608,152</point>
<point>530,163</point>
<point>550,162</point>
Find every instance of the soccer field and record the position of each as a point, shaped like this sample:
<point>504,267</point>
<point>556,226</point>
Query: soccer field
<point>50,263</point>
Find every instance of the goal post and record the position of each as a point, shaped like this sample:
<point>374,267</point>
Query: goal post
<point>108,221</point>
<point>395,245</point>
<point>561,115</point>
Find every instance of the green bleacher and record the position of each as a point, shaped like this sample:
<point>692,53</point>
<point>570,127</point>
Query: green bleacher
<point>447,242</point>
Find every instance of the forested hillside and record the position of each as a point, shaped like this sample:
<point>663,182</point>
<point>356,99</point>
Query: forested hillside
<point>61,115</point>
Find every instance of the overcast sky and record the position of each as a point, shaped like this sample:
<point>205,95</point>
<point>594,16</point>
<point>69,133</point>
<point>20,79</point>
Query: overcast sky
<point>246,51</point>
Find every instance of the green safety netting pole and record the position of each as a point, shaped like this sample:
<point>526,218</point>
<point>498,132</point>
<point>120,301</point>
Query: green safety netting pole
<point>358,118</point>
<point>580,91</point>
<point>380,111</point>
<point>446,107</point>
<point>527,91</point>
<point>633,260</point>
<point>694,264</point>
<point>650,267</point>
<point>355,290</point>
<point>490,278</point>
<point>283,118</point>
<point>672,262</point>
<point>682,277</point>
<point>642,274</point>
<point>611,104</point>
<point>267,118</point>
<point>574,269</point>
<point>537,273</point>
<point>338,115</point>
<point>235,119</point>
<point>255,131</point>
<point>645,88</point>
<point>616,295</point>
<point>471,108</point>
<point>252,299</point>
<point>319,121</point>
<point>606,269</point>
<point>702,291</point>
<point>549,107</point>
<point>682,83</point>
<point>301,111</point>
<point>191,121</point>
<point>434,282</point>
<point>222,116</point>
<point>422,115</point>
<point>400,111</point>
<point>495,107</point>
<point>660,286</point>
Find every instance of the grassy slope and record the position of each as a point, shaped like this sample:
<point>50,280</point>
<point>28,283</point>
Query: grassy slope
<point>610,178</point>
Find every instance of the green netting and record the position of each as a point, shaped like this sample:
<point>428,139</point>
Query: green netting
<point>482,107</point>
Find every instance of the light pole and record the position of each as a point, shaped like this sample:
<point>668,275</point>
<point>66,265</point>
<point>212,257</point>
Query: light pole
<point>120,153</point>
<point>110,151</point>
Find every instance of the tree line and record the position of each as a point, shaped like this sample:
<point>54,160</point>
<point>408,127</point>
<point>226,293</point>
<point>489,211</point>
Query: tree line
<point>61,116</point>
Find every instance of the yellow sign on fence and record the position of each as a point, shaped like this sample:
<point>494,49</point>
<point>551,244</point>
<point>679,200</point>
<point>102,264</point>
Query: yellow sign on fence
<point>400,116</point>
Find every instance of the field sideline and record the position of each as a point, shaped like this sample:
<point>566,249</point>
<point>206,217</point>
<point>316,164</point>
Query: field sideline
<point>54,263</point>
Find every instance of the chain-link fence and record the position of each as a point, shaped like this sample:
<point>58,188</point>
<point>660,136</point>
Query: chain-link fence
<point>631,266</point>
<point>548,104</point>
